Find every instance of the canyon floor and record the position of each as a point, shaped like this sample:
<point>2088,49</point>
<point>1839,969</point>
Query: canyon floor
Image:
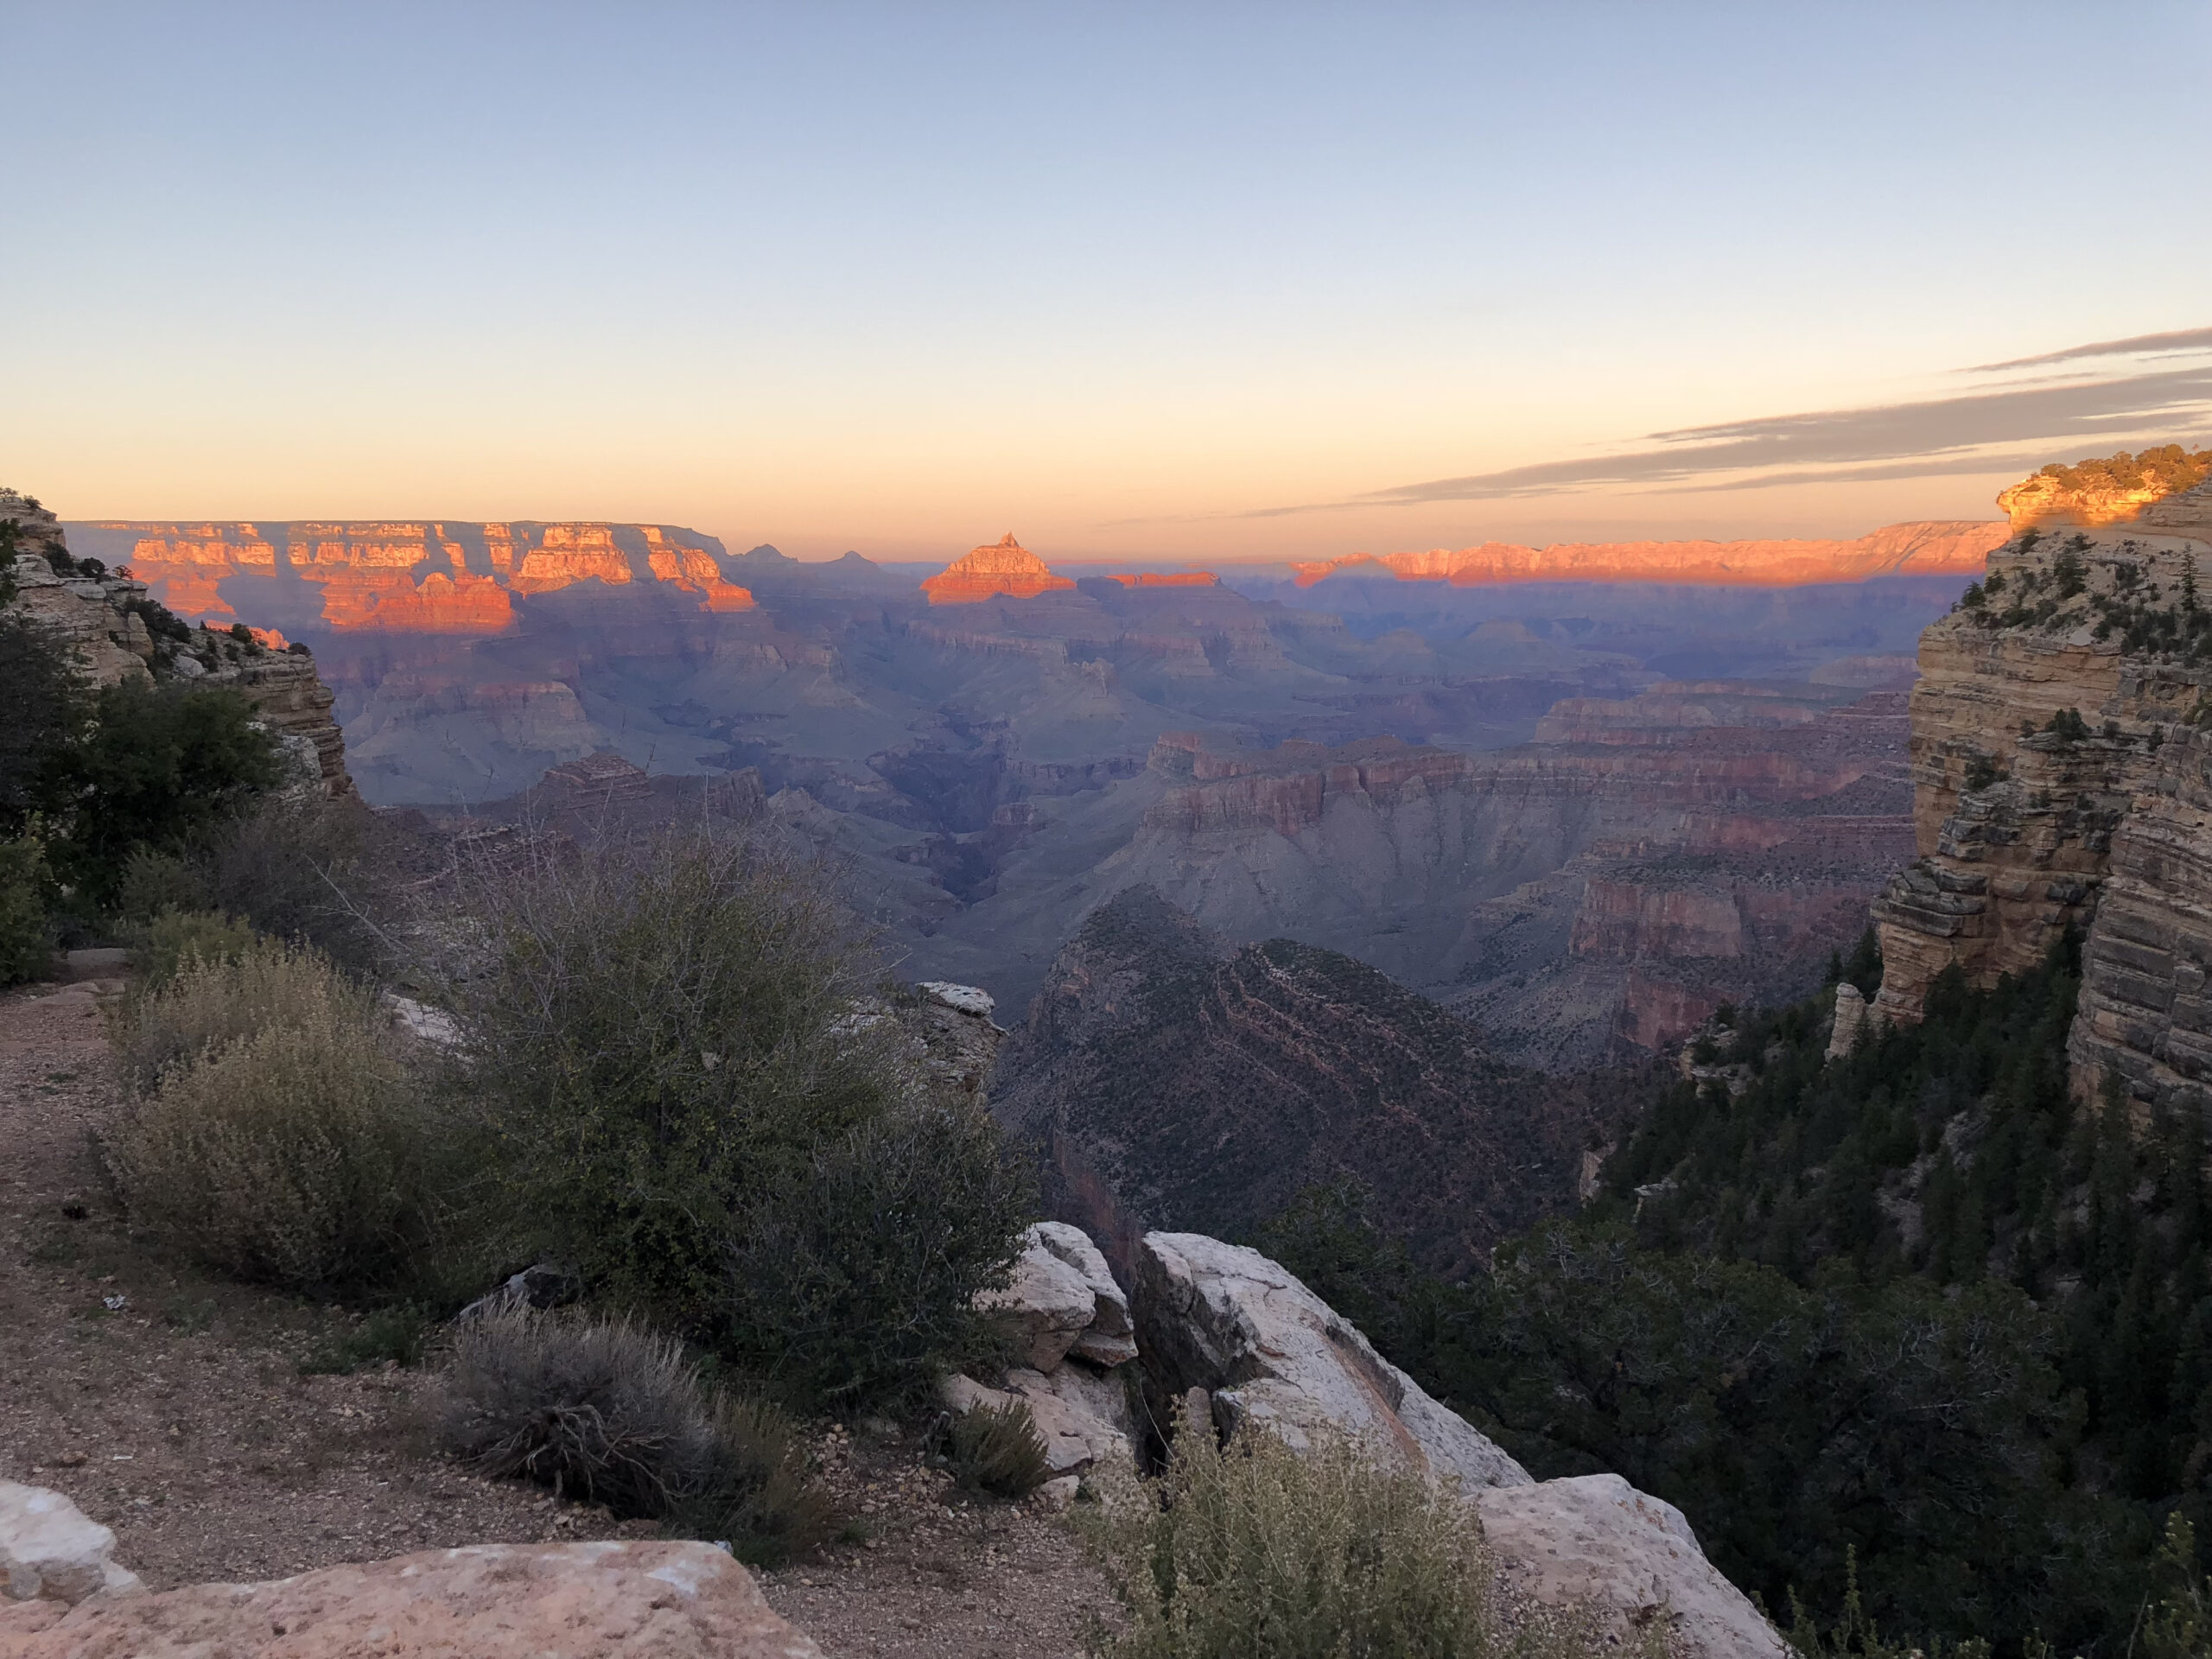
<point>185,1412</point>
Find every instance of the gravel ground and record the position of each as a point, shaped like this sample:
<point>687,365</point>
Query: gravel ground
<point>172,1406</point>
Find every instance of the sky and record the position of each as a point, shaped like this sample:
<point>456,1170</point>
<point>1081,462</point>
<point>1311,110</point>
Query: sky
<point>1199,282</point>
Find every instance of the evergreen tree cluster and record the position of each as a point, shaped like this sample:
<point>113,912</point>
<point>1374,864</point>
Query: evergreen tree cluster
<point>1916,1309</point>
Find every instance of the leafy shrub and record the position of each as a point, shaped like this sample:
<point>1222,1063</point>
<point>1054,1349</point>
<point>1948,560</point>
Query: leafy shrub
<point>997,1449</point>
<point>689,1105</point>
<point>398,1335</point>
<point>609,1412</point>
<point>25,940</point>
<point>47,703</point>
<point>295,1155</point>
<point>154,882</point>
<point>176,939</point>
<point>1256,1552</point>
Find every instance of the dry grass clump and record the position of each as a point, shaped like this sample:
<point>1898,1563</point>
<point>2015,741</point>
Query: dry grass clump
<point>276,1136</point>
<point>610,1412</point>
<point>220,989</point>
<point>175,938</point>
<point>1258,1552</point>
<point>997,1449</point>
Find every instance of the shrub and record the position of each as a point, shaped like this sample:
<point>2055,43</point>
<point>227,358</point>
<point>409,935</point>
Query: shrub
<point>295,1155</point>
<point>688,1104</point>
<point>44,696</point>
<point>222,992</point>
<point>997,1449</point>
<point>177,938</point>
<point>152,883</point>
<point>609,1412</point>
<point>25,939</point>
<point>157,766</point>
<point>1256,1552</point>
<point>321,874</point>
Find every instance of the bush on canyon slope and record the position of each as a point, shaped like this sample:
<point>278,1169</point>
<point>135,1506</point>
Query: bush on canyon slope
<point>276,1135</point>
<point>689,1103</point>
<point>1257,1552</point>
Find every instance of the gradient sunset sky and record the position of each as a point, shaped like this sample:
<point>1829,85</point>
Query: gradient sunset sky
<point>1202,283</point>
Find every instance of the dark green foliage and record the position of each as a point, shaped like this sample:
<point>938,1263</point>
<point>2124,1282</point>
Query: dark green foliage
<point>1917,1305</point>
<point>46,706</point>
<point>25,939</point>
<point>157,767</point>
<point>393,1336</point>
<point>2068,726</point>
<point>318,872</point>
<point>689,1108</point>
<point>997,1449</point>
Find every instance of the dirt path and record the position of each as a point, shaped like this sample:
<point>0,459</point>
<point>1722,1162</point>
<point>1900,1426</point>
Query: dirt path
<point>172,1406</point>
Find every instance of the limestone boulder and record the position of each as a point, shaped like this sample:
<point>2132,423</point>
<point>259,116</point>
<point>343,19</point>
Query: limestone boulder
<point>1044,1307</point>
<point>1109,1340</point>
<point>51,1551</point>
<point>1082,1429</point>
<point>495,1601</point>
<point>1597,1541</point>
<point>1271,1353</point>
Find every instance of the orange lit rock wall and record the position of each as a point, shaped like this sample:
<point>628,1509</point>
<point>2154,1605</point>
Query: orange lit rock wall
<point>1167,579</point>
<point>1943,548</point>
<point>421,577</point>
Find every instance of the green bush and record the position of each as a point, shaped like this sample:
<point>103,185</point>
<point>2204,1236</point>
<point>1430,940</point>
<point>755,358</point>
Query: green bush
<point>609,1412</point>
<point>43,692</point>
<point>997,1449</point>
<point>688,1102</point>
<point>1256,1552</point>
<point>154,882</point>
<point>26,942</point>
<point>278,1139</point>
<point>218,989</point>
<point>321,872</point>
<point>175,938</point>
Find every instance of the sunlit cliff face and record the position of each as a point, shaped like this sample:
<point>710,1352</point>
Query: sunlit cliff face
<point>1005,568</point>
<point>423,578</point>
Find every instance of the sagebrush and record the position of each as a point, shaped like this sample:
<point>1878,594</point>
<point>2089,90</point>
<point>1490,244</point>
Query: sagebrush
<point>276,1135</point>
<point>1257,1552</point>
<point>997,1449</point>
<point>610,1412</point>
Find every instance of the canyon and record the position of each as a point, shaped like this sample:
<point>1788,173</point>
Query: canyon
<point>2062,767</point>
<point>1586,812</point>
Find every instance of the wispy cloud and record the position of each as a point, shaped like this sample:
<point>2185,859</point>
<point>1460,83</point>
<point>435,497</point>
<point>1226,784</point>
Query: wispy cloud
<point>2181,340</point>
<point>1977,431</point>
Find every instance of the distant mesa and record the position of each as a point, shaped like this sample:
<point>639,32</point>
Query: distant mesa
<point>1006,569</point>
<point>1940,548</point>
<point>2115,489</point>
<point>425,577</point>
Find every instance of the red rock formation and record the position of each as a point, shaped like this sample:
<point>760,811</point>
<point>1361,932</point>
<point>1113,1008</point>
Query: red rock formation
<point>2109,490</point>
<point>421,578</point>
<point>1167,579</point>
<point>1945,548</point>
<point>1006,568</point>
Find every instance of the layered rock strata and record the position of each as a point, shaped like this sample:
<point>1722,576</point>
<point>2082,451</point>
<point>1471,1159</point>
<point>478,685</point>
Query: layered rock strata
<point>2059,753</point>
<point>1941,548</point>
<point>1005,568</point>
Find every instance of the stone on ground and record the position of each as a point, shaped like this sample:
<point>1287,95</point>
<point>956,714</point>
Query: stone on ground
<point>1596,1539</point>
<point>492,1601</point>
<point>52,1551</point>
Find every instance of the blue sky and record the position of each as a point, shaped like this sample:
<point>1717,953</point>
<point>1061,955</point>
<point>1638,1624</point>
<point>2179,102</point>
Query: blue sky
<point>1207,283</point>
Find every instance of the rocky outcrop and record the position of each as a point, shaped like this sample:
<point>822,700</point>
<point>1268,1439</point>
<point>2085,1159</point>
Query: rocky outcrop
<point>1166,579</point>
<point>2058,761</point>
<point>1595,1540</point>
<point>2109,490</point>
<point>1226,1325</point>
<point>1005,568</point>
<point>1272,1355</point>
<point>1931,549</point>
<point>110,618</point>
<point>491,1601</point>
<point>51,1552</point>
<point>402,577</point>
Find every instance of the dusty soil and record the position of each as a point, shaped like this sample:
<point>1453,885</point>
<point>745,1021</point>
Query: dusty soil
<point>174,1407</point>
